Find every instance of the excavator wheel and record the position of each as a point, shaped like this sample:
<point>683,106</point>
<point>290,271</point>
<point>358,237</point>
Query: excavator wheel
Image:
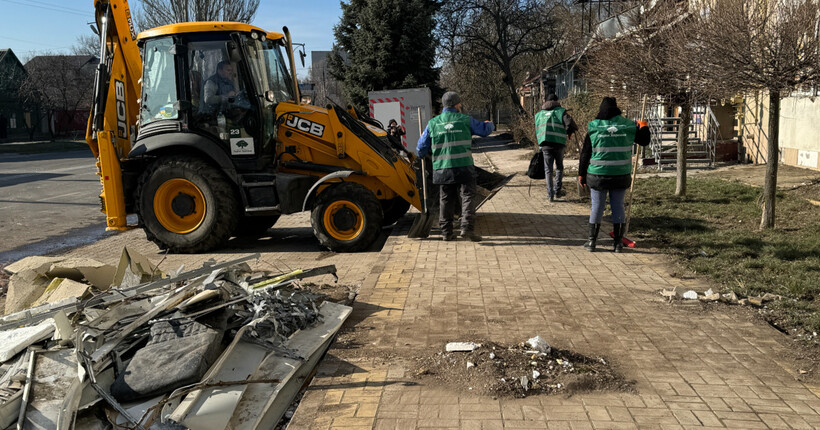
<point>255,226</point>
<point>394,209</point>
<point>347,217</point>
<point>186,205</point>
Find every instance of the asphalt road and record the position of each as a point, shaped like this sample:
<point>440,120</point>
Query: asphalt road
<point>48,202</point>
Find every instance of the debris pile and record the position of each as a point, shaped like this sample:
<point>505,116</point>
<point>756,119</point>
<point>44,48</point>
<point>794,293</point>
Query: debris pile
<point>711,296</point>
<point>87,345</point>
<point>529,368</point>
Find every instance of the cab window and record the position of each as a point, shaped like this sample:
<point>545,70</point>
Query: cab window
<point>159,87</point>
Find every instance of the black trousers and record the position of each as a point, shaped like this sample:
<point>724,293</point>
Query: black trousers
<point>449,194</point>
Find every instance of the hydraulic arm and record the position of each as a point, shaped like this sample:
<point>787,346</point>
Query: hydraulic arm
<point>112,124</point>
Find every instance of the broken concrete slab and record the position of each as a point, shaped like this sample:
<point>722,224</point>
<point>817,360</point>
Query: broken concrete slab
<point>60,289</point>
<point>16,340</point>
<point>25,287</point>
<point>96,273</point>
<point>36,263</point>
<point>134,269</point>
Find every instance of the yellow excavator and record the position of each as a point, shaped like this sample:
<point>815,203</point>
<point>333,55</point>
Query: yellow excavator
<point>198,128</point>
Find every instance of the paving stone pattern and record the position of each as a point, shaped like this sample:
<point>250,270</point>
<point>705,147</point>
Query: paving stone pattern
<point>531,276</point>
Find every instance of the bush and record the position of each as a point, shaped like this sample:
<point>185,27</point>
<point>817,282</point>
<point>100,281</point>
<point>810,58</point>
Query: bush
<point>523,130</point>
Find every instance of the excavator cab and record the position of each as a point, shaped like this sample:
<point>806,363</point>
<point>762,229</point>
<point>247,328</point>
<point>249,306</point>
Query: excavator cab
<point>223,85</point>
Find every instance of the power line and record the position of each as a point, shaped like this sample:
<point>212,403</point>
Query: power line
<point>47,7</point>
<point>49,4</point>
<point>28,41</point>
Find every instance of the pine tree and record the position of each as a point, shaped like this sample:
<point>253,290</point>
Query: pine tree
<point>389,44</point>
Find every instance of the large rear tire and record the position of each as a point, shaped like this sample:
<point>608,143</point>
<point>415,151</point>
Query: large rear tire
<point>347,217</point>
<point>394,209</point>
<point>186,205</point>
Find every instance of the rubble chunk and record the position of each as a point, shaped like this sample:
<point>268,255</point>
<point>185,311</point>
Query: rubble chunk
<point>539,344</point>
<point>690,295</point>
<point>461,346</point>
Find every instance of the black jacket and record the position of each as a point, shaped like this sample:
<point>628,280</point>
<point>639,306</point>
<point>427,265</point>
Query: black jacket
<point>607,182</point>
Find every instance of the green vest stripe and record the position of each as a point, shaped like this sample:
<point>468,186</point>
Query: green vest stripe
<point>610,163</point>
<point>612,142</point>
<point>452,140</point>
<point>613,149</point>
<point>549,126</point>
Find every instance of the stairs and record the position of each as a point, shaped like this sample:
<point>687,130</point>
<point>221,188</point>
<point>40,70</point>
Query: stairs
<point>701,139</point>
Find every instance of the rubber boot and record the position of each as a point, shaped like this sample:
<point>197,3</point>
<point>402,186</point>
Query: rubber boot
<point>593,237</point>
<point>618,235</point>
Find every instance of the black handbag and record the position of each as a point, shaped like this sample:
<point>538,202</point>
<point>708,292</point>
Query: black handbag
<point>536,169</point>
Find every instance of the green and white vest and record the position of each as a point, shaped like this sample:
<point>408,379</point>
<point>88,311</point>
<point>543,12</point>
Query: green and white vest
<point>549,126</point>
<point>452,140</point>
<point>612,142</point>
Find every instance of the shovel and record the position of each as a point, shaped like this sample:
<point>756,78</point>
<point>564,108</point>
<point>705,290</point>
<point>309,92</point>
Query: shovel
<point>424,221</point>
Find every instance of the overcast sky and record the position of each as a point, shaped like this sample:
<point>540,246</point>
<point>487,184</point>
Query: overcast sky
<point>32,27</point>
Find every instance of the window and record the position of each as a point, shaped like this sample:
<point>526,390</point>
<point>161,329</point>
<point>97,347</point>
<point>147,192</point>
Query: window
<point>159,88</point>
<point>267,65</point>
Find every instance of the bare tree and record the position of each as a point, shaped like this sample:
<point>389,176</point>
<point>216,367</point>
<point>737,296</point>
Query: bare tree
<point>86,44</point>
<point>57,83</point>
<point>497,33</point>
<point>481,88</point>
<point>648,57</point>
<point>771,46</point>
<point>154,13</point>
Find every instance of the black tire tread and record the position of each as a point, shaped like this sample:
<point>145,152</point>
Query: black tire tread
<point>226,219</point>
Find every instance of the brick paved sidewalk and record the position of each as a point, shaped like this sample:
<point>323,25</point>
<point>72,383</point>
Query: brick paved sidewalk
<point>530,276</point>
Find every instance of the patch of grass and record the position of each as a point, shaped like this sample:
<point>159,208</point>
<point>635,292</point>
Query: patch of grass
<point>713,231</point>
<point>43,147</point>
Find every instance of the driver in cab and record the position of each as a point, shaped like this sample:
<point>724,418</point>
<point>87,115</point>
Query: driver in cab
<point>220,88</point>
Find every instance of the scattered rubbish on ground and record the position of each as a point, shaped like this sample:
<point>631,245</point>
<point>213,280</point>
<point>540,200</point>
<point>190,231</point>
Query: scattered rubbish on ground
<point>529,368</point>
<point>88,345</point>
<point>711,296</point>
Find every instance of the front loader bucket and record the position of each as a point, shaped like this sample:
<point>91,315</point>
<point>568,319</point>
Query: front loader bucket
<point>488,184</point>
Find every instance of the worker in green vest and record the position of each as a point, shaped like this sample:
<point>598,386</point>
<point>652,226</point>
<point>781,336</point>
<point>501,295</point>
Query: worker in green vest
<point>553,126</point>
<point>449,138</point>
<point>606,167</point>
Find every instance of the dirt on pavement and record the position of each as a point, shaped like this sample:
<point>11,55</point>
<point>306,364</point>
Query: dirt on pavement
<point>503,371</point>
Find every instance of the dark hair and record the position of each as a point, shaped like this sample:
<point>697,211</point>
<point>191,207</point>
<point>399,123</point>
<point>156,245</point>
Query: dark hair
<point>392,121</point>
<point>222,64</point>
<point>552,97</point>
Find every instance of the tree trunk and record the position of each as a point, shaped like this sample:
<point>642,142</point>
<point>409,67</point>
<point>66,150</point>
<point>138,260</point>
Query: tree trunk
<point>683,143</point>
<point>772,160</point>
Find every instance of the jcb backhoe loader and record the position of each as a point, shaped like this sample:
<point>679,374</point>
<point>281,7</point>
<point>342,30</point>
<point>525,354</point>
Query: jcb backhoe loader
<point>199,130</point>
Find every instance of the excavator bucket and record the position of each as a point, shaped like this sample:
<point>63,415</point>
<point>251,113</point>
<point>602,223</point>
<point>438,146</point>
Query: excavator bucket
<point>487,185</point>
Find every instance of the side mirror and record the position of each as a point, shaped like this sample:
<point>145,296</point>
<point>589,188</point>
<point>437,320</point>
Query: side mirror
<point>269,96</point>
<point>233,52</point>
<point>302,56</point>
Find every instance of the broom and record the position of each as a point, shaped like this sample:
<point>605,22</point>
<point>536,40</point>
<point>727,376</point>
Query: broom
<point>625,240</point>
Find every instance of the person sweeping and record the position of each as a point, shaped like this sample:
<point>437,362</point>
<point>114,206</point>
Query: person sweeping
<point>606,166</point>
